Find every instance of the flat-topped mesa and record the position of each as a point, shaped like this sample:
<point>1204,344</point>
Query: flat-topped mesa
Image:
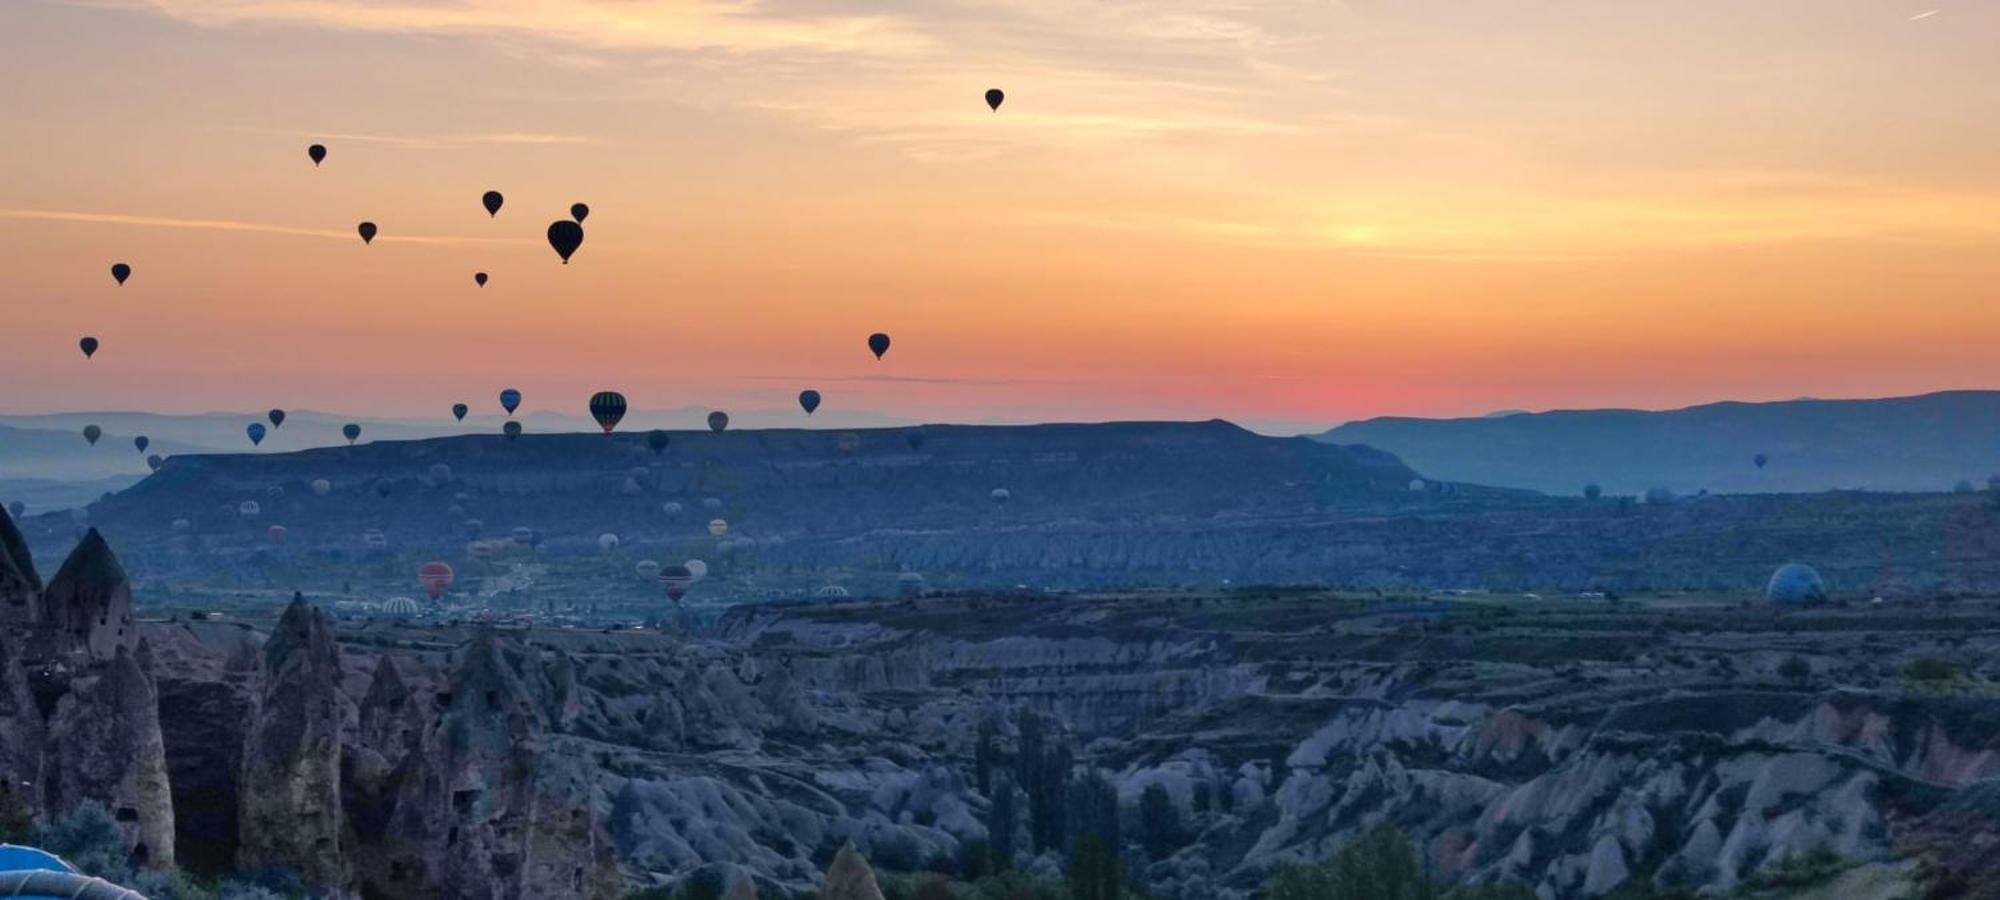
<point>87,607</point>
<point>291,812</point>
<point>19,585</point>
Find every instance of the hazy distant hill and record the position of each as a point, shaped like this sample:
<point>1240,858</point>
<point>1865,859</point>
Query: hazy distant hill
<point>1923,443</point>
<point>1087,506</point>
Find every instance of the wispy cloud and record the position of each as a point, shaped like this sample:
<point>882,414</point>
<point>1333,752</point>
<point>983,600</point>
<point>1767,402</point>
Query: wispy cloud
<point>94,218</point>
<point>906,379</point>
<point>736,26</point>
<point>1923,15</point>
<point>433,142</point>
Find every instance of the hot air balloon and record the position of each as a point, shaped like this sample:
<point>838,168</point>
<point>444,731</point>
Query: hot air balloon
<point>91,433</point>
<point>249,509</point>
<point>367,231</point>
<point>276,533</point>
<point>322,487</point>
<point>524,536</point>
<point>1001,496</point>
<point>440,473</point>
<point>436,577</point>
<point>579,212</point>
<point>717,527</point>
<point>89,347</point>
<point>607,407</point>
<point>607,542</point>
<point>711,503</point>
<point>878,343</point>
<point>182,525</point>
<point>717,421</point>
<point>657,441</point>
<point>256,433</point>
<point>277,417</point>
<point>458,411</point>
<point>677,580</point>
<point>1760,459</point>
<point>401,608</point>
<point>479,278</point>
<point>697,568</point>
<point>491,200</point>
<point>121,271</point>
<point>565,236</point>
<point>670,508</point>
<point>350,431</point>
<point>511,430</point>
<point>155,461</point>
<point>647,568</point>
<point>809,401</point>
<point>317,154</point>
<point>141,442</point>
<point>374,538</point>
<point>510,400</point>
<point>914,436</point>
<point>849,442</point>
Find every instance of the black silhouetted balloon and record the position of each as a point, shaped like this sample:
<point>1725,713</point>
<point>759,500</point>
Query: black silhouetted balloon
<point>607,407</point>
<point>1760,459</point>
<point>479,278</point>
<point>142,442</point>
<point>277,418</point>
<point>512,429</point>
<point>492,200</point>
<point>565,236</point>
<point>658,441</point>
<point>809,401</point>
<point>88,346</point>
<point>256,433</point>
<point>510,400</point>
<point>579,212</point>
<point>350,431</point>
<point>155,461</point>
<point>121,271</point>
<point>994,96</point>
<point>879,343</point>
<point>317,153</point>
<point>717,421</point>
<point>91,433</point>
<point>367,230</point>
<point>458,411</point>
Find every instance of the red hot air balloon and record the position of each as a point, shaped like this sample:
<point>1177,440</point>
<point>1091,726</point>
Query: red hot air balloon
<point>436,577</point>
<point>677,580</point>
<point>276,533</point>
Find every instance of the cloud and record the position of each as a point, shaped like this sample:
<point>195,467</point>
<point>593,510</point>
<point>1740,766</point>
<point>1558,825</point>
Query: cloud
<point>50,215</point>
<point>907,379</point>
<point>731,26</point>
<point>1923,15</point>
<point>433,142</point>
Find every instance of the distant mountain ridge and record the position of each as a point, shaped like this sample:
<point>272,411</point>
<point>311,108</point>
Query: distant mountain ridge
<point>1921,443</point>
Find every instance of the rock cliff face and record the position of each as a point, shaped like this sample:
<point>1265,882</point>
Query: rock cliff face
<point>290,814</point>
<point>86,610</point>
<point>104,744</point>
<point>19,585</point>
<point>488,803</point>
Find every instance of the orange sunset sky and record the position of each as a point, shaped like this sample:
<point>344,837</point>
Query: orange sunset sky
<point>1288,214</point>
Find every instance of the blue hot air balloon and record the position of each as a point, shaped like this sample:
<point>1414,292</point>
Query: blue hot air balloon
<point>510,400</point>
<point>256,433</point>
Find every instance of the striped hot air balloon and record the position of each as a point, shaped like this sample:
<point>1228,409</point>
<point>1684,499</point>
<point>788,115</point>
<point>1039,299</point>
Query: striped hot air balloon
<point>607,407</point>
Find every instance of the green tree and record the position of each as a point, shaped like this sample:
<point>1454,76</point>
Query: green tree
<point>1160,832</point>
<point>1094,872</point>
<point>1378,865</point>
